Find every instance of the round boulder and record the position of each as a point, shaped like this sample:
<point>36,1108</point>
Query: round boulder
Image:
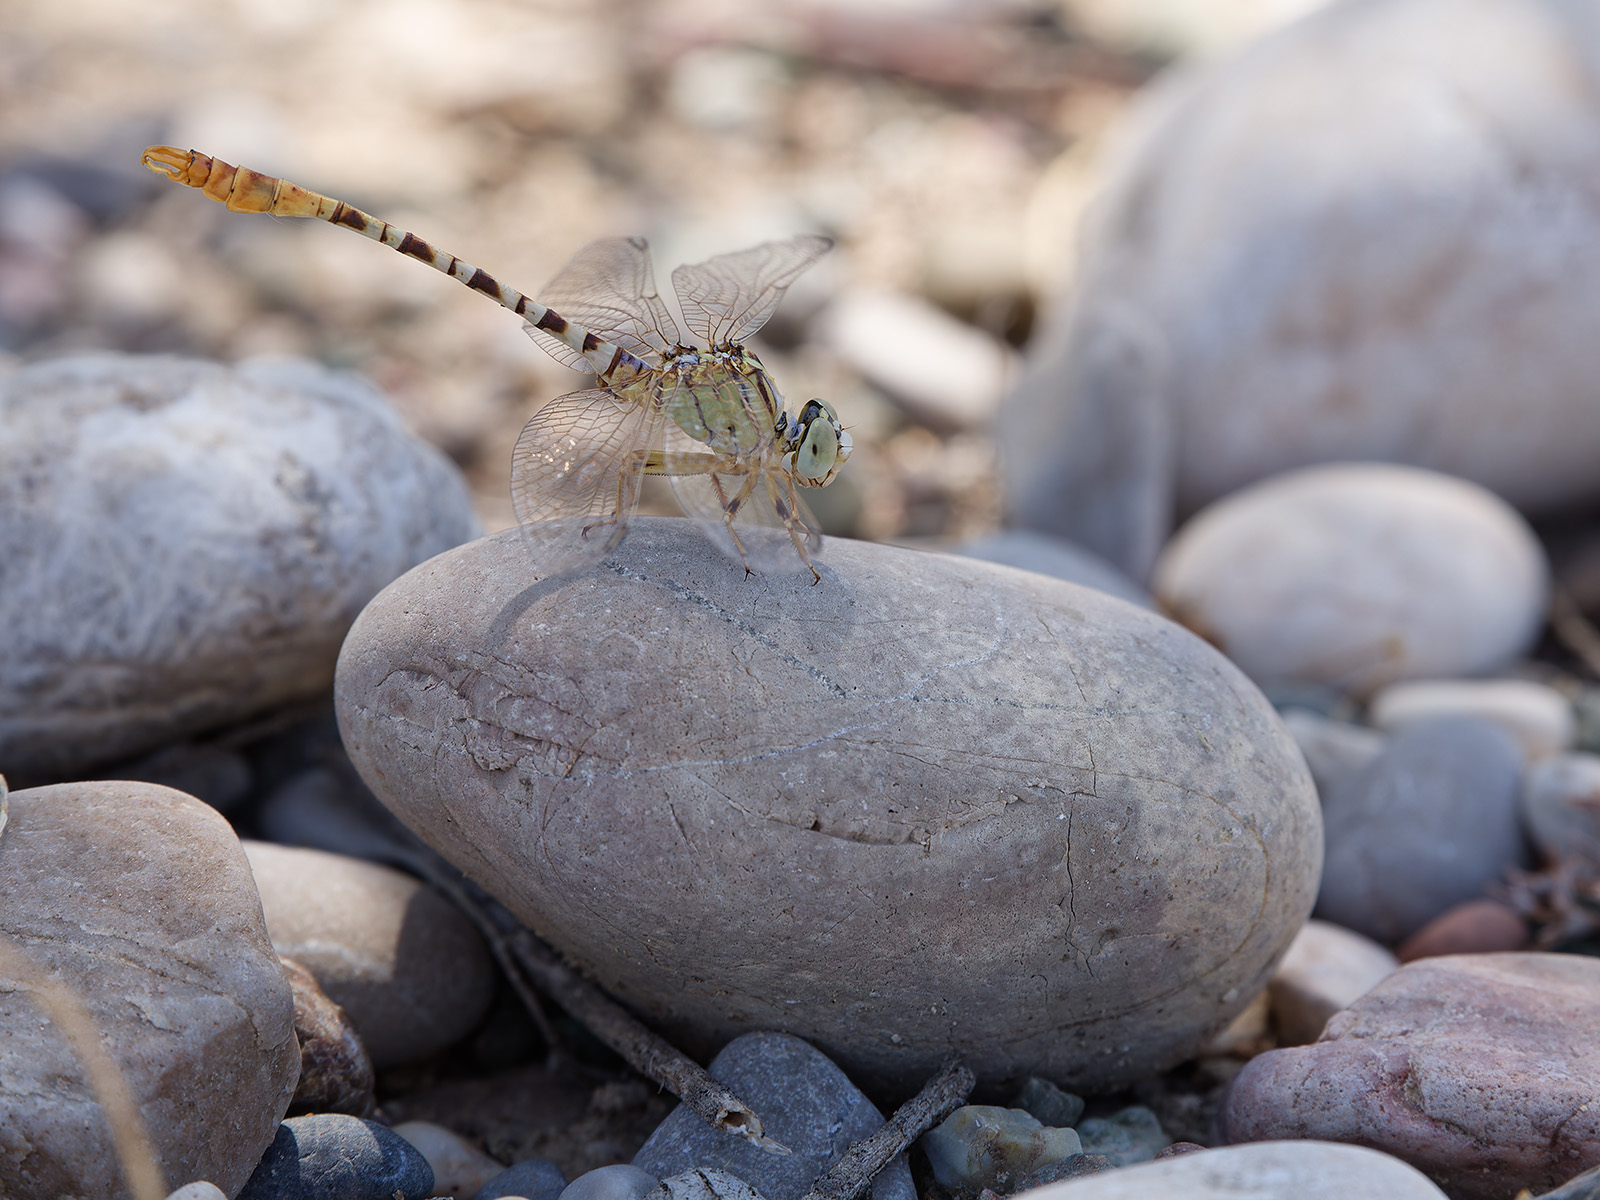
<point>185,544</point>
<point>136,902</point>
<point>1341,243</point>
<point>1354,575</point>
<point>927,805</point>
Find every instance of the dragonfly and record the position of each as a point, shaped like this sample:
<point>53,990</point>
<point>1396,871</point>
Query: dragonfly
<point>700,410</point>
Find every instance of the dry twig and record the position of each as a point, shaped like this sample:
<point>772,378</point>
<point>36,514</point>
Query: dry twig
<point>1574,630</point>
<point>526,957</point>
<point>855,1169</point>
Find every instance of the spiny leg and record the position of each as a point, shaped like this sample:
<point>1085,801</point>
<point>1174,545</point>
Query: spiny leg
<point>730,510</point>
<point>247,191</point>
<point>790,515</point>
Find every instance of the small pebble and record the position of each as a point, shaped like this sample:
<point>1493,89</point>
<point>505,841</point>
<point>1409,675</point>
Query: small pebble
<point>1247,1034</point>
<point>705,1183</point>
<point>1476,927</point>
<point>1425,826</point>
<point>1334,749</point>
<point>805,1101</point>
<point>1357,575</point>
<point>530,1179</point>
<point>335,1071</point>
<point>1178,1149</point>
<point>619,1182</point>
<point>980,1146</point>
<point>1540,718</point>
<point>1326,969</point>
<point>198,1191</point>
<point>1561,805</point>
<point>1289,1170</point>
<point>411,972</point>
<point>1049,1104</point>
<point>1133,1135</point>
<point>331,1156</point>
<point>460,1169</point>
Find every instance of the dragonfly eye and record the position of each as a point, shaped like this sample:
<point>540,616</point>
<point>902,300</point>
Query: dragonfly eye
<point>823,445</point>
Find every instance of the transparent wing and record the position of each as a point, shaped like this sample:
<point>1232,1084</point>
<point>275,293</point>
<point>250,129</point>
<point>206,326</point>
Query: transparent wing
<point>760,527</point>
<point>575,473</point>
<point>729,297</point>
<point>609,289</point>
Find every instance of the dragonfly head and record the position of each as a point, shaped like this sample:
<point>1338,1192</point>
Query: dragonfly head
<point>820,445</point>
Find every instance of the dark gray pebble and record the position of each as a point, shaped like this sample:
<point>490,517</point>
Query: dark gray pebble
<point>804,1101</point>
<point>330,1156</point>
<point>1048,1104</point>
<point>1431,821</point>
<point>531,1179</point>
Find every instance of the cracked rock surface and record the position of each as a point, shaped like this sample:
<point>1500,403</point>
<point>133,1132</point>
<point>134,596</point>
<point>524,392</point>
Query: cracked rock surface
<point>925,806</point>
<point>1482,1070</point>
<point>183,544</point>
<point>137,899</point>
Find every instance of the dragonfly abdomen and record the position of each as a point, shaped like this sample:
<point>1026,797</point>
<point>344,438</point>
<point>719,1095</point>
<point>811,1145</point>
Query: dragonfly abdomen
<point>242,190</point>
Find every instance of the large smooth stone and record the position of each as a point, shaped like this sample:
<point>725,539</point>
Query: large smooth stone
<point>1481,1070</point>
<point>411,973</point>
<point>1268,1171</point>
<point>184,544</point>
<point>1347,244</point>
<point>924,806</point>
<point>1540,718</point>
<point>1356,575</point>
<point>138,901</point>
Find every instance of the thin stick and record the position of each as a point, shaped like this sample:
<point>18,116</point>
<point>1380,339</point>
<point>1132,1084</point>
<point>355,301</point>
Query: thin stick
<point>647,1053</point>
<point>1575,631</point>
<point>852,1174</point>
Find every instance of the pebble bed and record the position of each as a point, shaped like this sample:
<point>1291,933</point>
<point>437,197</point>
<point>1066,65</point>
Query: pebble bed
<point>1195,728</point>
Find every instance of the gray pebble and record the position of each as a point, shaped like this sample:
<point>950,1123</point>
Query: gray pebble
<point>980,1147</point>
<point>618,1182</point>
<point>335,1157</point>
<point>1424,827</point>
<point>1561,805</point>
<point>1049,1104</point>
<point>805,1102</point>
<point>1133,1135</point>
<point>530,1179</point>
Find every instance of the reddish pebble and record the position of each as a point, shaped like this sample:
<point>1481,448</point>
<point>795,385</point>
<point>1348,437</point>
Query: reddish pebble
<point>1476,927</point>
<point>1180,1148</point>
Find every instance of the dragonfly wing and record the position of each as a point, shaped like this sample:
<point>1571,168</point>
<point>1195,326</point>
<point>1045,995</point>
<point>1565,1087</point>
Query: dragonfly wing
<point>759,526</point>
<point>729,297</point>
<point>575,472</point>
<point>609,289</point>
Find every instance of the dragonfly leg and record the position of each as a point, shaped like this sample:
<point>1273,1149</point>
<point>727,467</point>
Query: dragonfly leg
<point>790,513</point>
<point>627,497</point>
<point>730,510</point>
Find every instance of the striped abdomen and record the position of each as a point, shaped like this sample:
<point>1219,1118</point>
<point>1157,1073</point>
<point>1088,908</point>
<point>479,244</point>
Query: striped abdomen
<point>244,190</point>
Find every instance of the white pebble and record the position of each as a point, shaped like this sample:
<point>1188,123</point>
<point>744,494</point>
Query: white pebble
<point>1540,718</point>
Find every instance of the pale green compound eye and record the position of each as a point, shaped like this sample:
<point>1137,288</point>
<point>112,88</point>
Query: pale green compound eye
<point>818,452</point>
